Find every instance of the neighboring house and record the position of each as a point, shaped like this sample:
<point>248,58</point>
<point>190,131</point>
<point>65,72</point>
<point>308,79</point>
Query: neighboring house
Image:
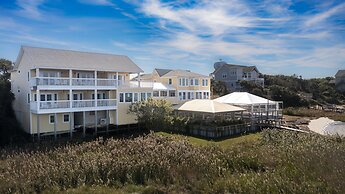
<point>231,75</point>
<point>340,80</point>
<point>57,91</point>
<point>178,86</point>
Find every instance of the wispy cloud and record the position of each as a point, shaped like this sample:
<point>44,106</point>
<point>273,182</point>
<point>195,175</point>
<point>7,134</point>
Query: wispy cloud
<point>98,2</point>
<point>30,8</point>
<point>323,16</point>
<point>275,35</point>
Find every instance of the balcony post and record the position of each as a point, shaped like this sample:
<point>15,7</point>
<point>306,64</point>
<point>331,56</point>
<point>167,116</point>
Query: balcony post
<point>107,123</point>
<point>55,118</point>
<point>96,121</point>
<point>70,88</point>
<point>117,79</point>
<point>95,88</point>
<point>37,72</point>
<point>70,124</point>
<point>38,98</point>
<point>84,127</point>
<point>38,127</point>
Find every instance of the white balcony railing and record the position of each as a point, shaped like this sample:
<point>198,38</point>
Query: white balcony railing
<point>56,81</point>
<point>76,104</point>
<point>83,81</point>
<point>135,84</point>
<point>107,82</point>
<point>49,81</point>
<point>83,103</point>
<point>253,79</point>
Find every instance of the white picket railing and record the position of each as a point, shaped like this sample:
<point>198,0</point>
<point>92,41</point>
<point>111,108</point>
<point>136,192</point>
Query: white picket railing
<point>76,104</point>
<point>83,103</point>
<point>58,81</point>
<point>83,81</point>
<point>107,82</point>
<point>106,102</point>
<point>49,81</point>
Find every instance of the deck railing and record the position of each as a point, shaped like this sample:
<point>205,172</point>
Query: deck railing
<point>59,81</point>
<point>66,104</point>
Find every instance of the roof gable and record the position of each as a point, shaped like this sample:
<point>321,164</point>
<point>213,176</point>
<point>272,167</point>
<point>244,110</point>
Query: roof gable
<point>162,72</point>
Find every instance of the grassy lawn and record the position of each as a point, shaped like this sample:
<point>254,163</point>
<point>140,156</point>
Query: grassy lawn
<point>231,141</point>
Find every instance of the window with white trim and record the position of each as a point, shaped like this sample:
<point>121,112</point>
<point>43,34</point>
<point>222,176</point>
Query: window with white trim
<point>196,82</point>
<point>192,82</point>
<point>155,93</point>
<point>204,82</point>
<point>121,97</point>
<point>172,93</point>
<point>170,81</point>
<point>128,97</point>
<point>51,119</point>
<point>66,118</point>
<point>142,96</point>
<point>136,97</point>
<point>163,93</point>
<point>224,75</point>
<point>149,95</point>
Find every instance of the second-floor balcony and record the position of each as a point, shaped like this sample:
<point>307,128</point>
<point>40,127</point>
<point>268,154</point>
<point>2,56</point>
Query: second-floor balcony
<point>253,79</point>
<point>72,106</point>
<point>62,83</point>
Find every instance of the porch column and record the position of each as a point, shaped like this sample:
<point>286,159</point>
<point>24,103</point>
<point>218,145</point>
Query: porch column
<point>37,72</point>
<point>84,127</point>
<point>70,125</point>
<point>95,88</point>
<point>96,119</point>
<point>55,118</point>
<point>117,79</point>
<point>70,89</point>
<point>38,127</point>
<point>38,96</point>
<point>139,79</point>
<point>107,123</point>
<point>38,99</point>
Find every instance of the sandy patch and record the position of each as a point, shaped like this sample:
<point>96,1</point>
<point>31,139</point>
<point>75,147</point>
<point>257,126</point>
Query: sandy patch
<point>326,126</point>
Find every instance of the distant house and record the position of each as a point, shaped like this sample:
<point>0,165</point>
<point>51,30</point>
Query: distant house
<point>178,85</point>
<point>232,75</point>
<point>340,80</point>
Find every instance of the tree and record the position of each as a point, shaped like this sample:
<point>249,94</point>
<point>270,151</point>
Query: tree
<point>251,87</point>
<point>10,130</point>
<point>153,114</point>
<point>219,88</point>
<point>5,66</point>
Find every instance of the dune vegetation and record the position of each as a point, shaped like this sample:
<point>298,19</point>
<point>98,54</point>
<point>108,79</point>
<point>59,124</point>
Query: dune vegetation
<point>272,161</point>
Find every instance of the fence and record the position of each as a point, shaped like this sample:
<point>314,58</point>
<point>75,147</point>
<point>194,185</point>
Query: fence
<point>216,132</point>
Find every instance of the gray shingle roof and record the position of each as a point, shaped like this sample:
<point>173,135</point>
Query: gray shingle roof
<point>58,58</point>
<point>245,68</point>
<point>340,73</point>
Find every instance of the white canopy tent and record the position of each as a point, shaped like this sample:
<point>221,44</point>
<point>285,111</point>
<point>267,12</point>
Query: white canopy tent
<point>257,106</point>
<point>207,106</point>
<point>243,98</point>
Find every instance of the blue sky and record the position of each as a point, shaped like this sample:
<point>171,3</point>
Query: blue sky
<point>280,37</point>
